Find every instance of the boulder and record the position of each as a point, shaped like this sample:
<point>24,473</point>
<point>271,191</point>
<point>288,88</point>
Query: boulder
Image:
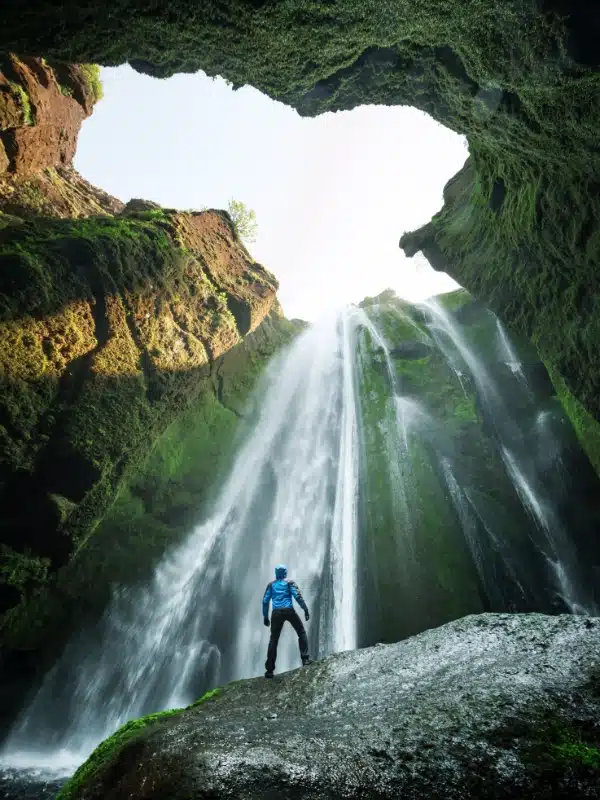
<point>137,204</point>
<point>490,706</point>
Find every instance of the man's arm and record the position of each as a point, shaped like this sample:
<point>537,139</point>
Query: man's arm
<point>266,600</point>
<point>297,595</point>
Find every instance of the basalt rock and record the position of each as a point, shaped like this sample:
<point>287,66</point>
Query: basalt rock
<point>491,706</point>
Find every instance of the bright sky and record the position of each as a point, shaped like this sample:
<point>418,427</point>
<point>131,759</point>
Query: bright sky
<point>332,195</point>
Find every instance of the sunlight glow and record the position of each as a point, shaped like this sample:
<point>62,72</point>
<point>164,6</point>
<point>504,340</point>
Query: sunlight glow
<point>332,194</point>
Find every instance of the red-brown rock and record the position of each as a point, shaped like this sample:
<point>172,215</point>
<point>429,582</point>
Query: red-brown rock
<point>41,111</point>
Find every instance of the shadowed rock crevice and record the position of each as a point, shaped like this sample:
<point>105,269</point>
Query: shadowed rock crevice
<point>219,390</point>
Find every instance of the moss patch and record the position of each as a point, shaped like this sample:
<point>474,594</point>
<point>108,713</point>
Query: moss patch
<point>573,752</point>
<point>111,747</point>
<point>558,746</point>
<point>22,98</point>
<point>91,77</point>
<point>586,427</point>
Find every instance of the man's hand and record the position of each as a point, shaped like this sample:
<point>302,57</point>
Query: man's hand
<point>306,615</point>
<point>266,621</point>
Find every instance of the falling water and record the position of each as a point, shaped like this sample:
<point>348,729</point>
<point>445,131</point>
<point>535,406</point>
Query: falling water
<point>551,541</point>
<point>292,497</point>
<point>486,548</point>
<point>508,353</point>
<point>331,411</point>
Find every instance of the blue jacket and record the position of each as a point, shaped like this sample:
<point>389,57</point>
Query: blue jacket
<point>280,593</point>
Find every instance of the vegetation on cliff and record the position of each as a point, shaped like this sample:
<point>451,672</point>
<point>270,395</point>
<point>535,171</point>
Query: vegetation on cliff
<point>529,254</point>
<point>413,545</point>
<point>158,501</point>
<point>109,329</point>
<point>442,510</point>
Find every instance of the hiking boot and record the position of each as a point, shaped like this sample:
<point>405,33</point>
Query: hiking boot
<point>268,674</point>
<point>306,661</point>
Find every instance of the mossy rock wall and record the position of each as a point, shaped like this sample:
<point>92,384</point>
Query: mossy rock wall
<point>413,554</point>
<point>519,79</point>
<point>159,501</point>
<point>41,111</point>
<point>109,329</point>
<point>444,529</point>
<point>531,257</point>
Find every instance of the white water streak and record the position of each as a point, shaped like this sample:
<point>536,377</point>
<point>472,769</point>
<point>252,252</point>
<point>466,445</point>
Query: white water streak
<point>509,354</point>
<point>555,546</point>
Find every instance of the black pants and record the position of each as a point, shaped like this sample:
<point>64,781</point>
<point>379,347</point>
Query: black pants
<point>278,617</point>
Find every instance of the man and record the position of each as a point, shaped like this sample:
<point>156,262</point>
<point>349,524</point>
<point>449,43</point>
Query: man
<point>281,592</point>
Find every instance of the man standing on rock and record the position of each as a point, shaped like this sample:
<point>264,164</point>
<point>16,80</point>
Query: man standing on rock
<point>281,592</point>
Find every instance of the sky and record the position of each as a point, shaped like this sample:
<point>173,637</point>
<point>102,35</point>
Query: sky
<point>332,194</point>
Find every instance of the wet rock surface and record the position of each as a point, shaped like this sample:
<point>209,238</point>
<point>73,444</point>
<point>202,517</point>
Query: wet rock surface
<point>488,706</point>
<point>29,785</point>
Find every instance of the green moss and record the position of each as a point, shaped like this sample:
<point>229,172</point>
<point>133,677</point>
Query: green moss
<point>466,411</point>
<point>111,747</point>
<point>213,693</point>
<point>412,542</point>
<point>161,496</point>
<point>30,198</point>
<point>586,427</point>
<point>572,751</point>
<point>58,280</point>
<point>539,259</point>
<point>21,569</point>
<point>22,98</point>
<point>91,76</point>
<point>453,301</point>
<point>553,746</point>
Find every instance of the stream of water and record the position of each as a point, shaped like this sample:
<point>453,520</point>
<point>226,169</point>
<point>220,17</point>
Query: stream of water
<point>522,462</point>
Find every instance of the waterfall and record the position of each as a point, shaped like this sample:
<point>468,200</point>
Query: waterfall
<point>360,484</point>
<point>508,353</point>
<point>291,497</point>
<point>548,536</point>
